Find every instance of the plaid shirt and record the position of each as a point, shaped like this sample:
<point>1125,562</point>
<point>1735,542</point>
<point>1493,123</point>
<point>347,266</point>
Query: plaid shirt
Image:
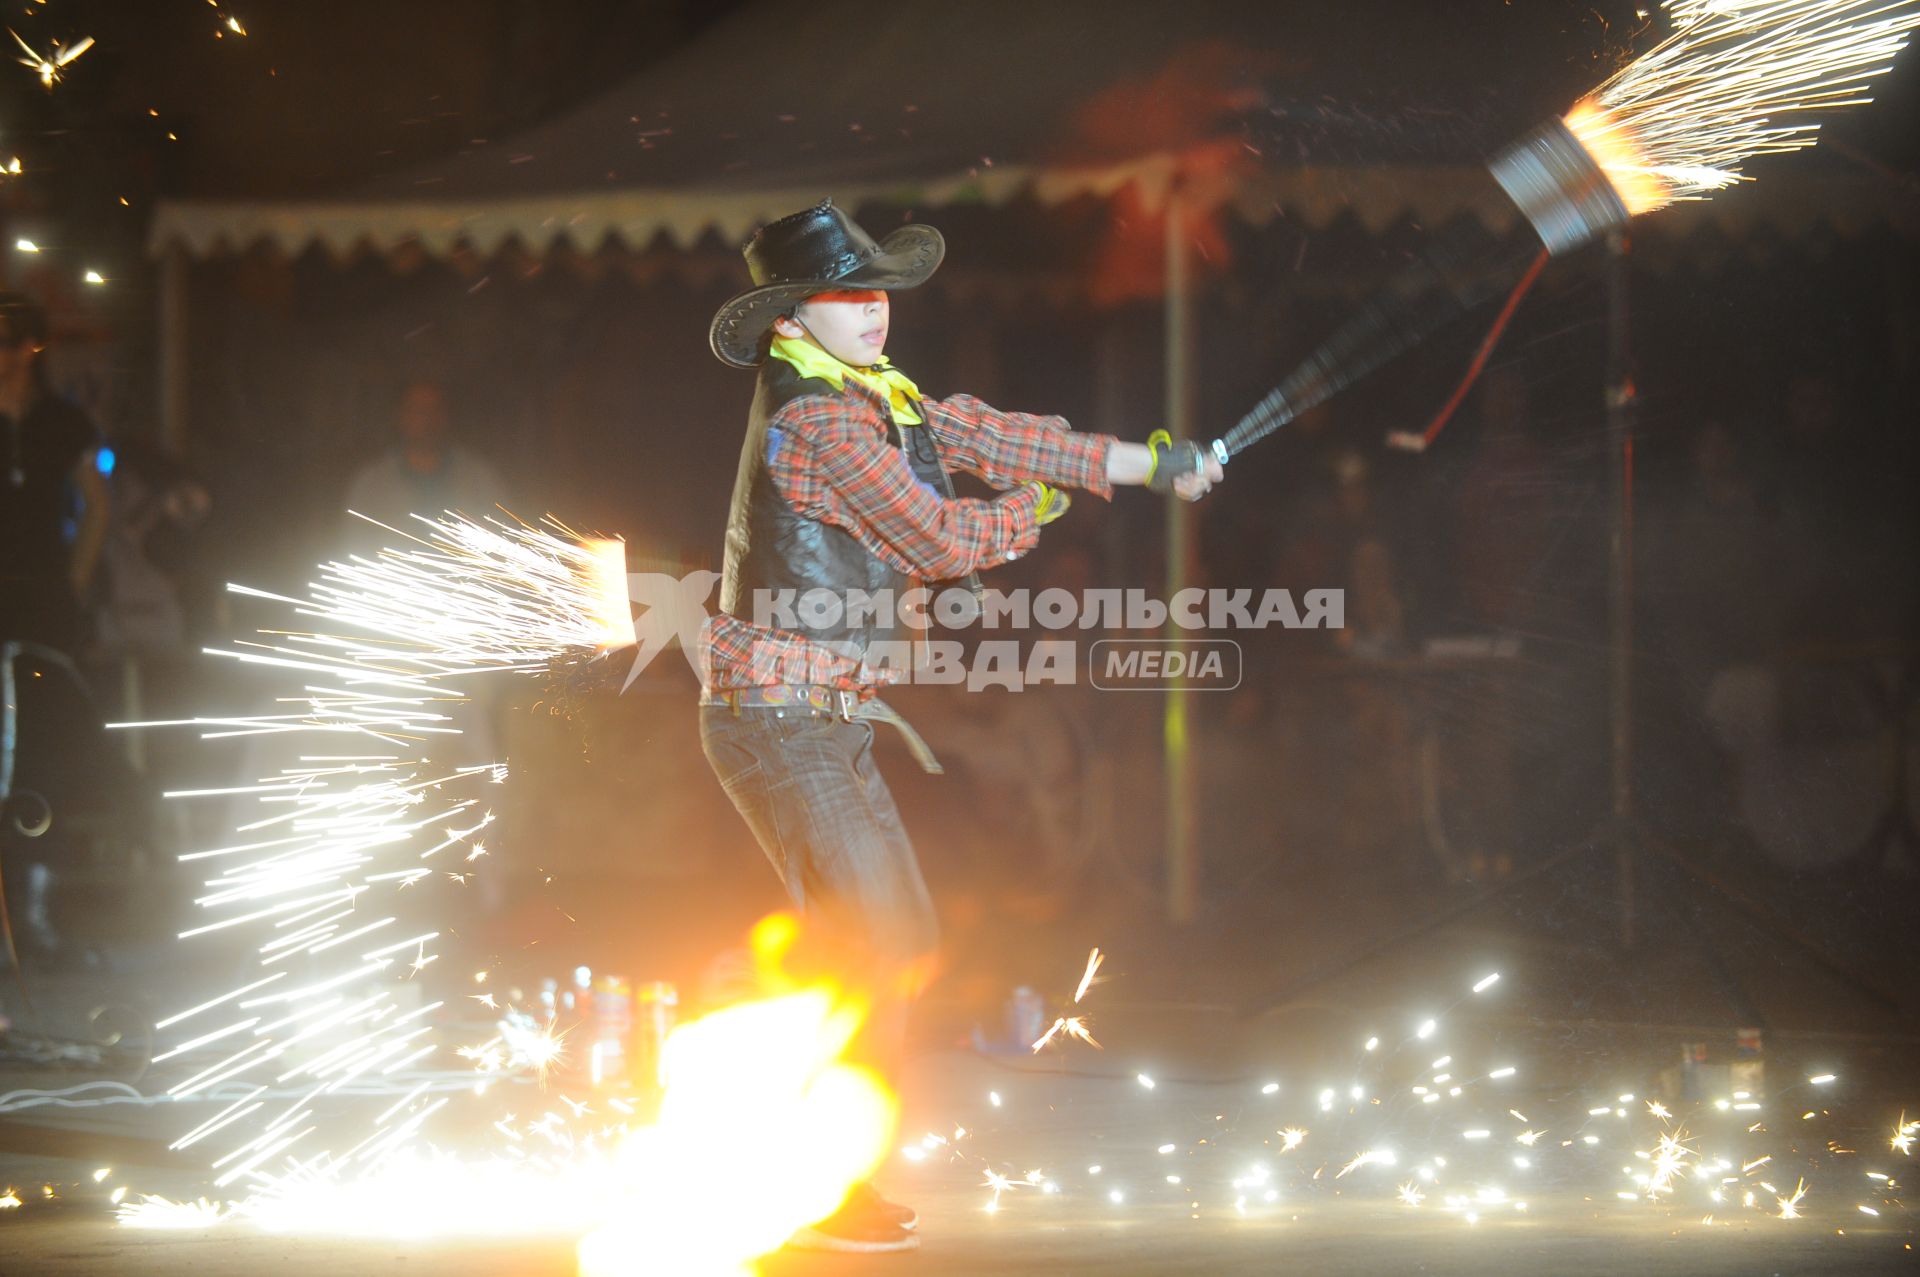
<point>833,463</point>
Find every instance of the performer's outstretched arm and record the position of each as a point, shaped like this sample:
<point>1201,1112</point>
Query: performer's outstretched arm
<point>1006,448</point>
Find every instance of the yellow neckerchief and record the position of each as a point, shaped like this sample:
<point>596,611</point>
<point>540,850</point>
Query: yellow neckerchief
<point>894,387</point>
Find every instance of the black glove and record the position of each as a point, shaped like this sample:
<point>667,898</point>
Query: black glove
<point>1172,459</point>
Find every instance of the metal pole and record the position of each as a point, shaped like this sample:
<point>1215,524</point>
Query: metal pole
<point>1621,396</point>
<point>1183,869</point>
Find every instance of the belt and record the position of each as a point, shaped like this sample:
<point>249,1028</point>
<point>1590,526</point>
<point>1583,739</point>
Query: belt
<point>849,706</point>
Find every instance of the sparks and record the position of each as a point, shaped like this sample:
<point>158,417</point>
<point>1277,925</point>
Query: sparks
<point>1790,1205</point>
<point>1733,81</point>
<point>1903,1135</point>
<point>1094,960</point>
<point>1669,1162</point>
<point>1074,1026</point>
<point>317,877</point>
<point>1372,1157</point>
<point>153,1211</point>
<point>50,66</point>
<point>999,1184</point>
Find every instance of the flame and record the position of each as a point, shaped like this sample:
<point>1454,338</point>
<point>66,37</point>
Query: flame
<point>764,1128</point>
<point>1614,148</point>
<point>609,608</point>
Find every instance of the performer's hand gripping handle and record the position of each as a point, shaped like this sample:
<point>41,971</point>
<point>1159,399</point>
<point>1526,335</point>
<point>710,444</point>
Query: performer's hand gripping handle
<point>1181,466</point>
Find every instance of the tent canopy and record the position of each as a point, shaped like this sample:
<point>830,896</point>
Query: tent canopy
<point>1268,108</point>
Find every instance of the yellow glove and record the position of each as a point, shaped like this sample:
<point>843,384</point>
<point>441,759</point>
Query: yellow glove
<point>1054,502</point>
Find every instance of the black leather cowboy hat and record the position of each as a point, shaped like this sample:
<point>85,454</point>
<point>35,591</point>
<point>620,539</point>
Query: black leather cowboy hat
<point>817,250</point>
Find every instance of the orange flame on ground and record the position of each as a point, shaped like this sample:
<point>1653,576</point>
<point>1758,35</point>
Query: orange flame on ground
<point>763,1130</point>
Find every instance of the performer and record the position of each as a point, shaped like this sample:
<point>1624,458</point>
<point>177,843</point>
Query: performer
<point>844,486</point>
<point>54,512</point>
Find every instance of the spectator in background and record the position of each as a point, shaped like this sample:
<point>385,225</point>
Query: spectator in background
<point>1505,505</point>
<point>157,505</point>
<point>426,472</point>
<point>53,500</point>
<point>1715,571</point>
<point>1340,541</point>
<point>1835,561</point>
<point>1376,617</point>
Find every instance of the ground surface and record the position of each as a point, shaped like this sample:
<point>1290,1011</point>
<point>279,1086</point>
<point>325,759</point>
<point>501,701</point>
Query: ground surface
<point>1572,1221</point>
<point>1286,993</point>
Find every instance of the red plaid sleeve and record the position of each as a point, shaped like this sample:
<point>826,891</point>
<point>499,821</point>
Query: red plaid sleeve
<point>736,653</point>
<point>1006,448</point>
<point>830,459</point>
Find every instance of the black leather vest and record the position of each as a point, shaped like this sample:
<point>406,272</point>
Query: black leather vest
<point>771,547</point>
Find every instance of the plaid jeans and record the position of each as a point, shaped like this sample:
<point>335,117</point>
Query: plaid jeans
<point>810,789</point>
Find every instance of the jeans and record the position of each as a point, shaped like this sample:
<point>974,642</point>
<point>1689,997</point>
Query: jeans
<point>810,789</point>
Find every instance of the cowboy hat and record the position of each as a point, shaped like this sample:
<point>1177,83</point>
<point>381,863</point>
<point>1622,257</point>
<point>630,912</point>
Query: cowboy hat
<point>816,250</point>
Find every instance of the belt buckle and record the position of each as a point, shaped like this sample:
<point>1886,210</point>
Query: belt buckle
<point>845,701</point>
